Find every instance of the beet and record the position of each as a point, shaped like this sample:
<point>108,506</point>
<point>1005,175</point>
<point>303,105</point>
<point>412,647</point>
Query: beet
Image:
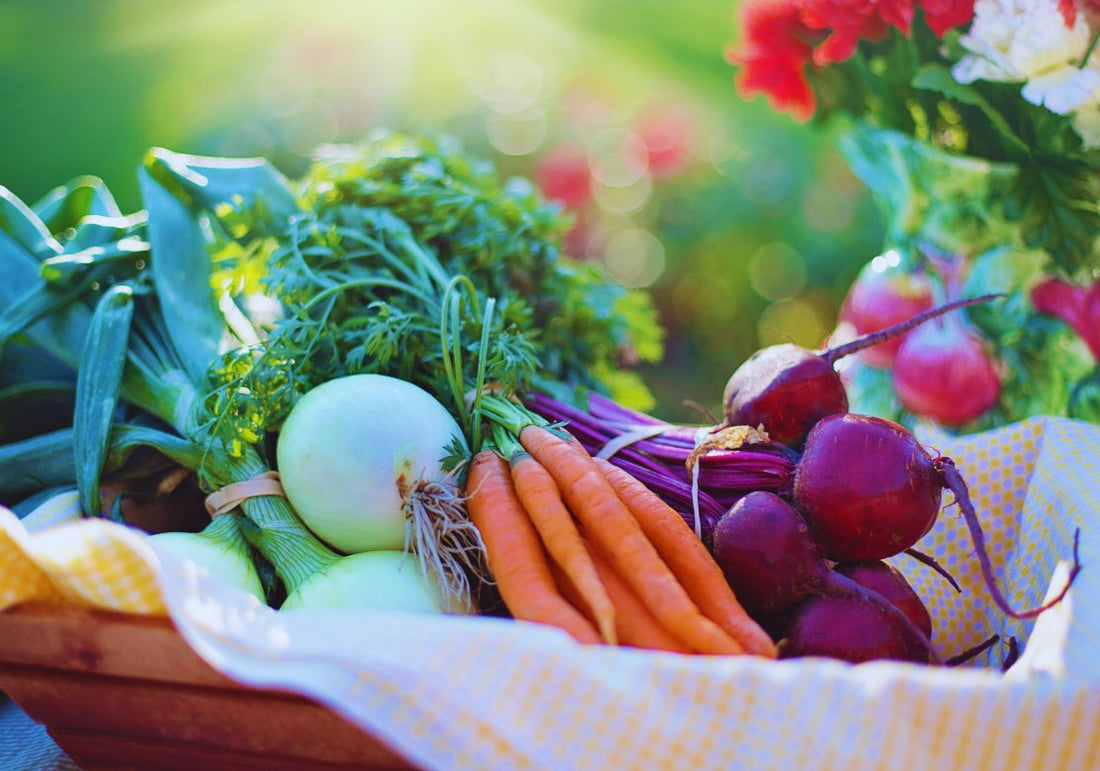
<point>767,553</point>
<point>885,579</point>
<point>868,490</point>
<point>854,628</point>
<point>866,486</point>
<point>787,388</point>
<point>776,568</point>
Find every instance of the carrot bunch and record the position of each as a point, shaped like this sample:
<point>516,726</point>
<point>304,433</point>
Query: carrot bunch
<point>577,543</point>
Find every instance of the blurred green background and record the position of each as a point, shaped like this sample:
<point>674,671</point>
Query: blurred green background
<point>746,227</point>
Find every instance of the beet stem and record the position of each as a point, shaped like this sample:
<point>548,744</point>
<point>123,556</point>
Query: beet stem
<point>874,338</point>
<point>930,561</point>
<point>954,482</point>
<point>970,653</point>
<point>1013,654</point>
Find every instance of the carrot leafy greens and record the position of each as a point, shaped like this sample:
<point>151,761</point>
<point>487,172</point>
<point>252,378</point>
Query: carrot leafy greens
<point>407,258</point>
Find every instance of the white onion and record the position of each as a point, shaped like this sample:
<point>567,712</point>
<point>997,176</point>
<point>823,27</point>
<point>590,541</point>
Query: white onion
<point>351,451</point>
<point>219,550</point>
<point>376,580</point>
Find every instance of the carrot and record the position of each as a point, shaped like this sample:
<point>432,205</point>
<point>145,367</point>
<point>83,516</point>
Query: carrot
<point>562,540</point>
<point>689,560</point>
<point>635,625</point>
<point>515,555</point>
<point>609,523</point>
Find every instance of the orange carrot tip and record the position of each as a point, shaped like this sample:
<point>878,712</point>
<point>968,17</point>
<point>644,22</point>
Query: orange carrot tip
<point>543,503</point>
<point>515,553</point>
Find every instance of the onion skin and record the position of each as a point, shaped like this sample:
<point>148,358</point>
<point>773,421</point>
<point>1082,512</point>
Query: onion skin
<point>352,449</point>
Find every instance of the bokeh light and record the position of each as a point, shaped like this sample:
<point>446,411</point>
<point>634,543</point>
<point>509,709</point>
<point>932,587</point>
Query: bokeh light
<point>804,321</point>
<point>777,271</point>
<point>742,225</point>
<point>635,257</point>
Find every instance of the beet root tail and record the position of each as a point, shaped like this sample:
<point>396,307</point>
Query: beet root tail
<point>874,338</point>
<point>930,561</point>
<point>956,484</point>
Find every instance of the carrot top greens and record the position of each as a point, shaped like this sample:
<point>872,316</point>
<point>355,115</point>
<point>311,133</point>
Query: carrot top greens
<point>236,290</point>
<point>407,257</point>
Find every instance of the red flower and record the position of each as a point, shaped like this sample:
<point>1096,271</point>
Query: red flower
<point>773,56</point>
<point>898,13</point>
<point>852,21</point>
<point>1069,8</point>
<point>784,37</point>
<point>943,15</point>
<point>562,175</point>
<point>1078,306</point>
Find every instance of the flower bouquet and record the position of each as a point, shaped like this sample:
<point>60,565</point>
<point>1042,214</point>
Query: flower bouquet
<point>976,127</point>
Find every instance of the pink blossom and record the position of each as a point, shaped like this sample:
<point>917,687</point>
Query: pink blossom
<point>1078,306</point>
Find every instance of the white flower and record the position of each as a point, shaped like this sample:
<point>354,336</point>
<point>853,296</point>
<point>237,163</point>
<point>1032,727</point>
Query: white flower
<point>1027,41</point>
<point>1062,90</point>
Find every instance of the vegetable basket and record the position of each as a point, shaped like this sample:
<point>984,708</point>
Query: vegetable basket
<point>133,658</point>
<point>122,690</point>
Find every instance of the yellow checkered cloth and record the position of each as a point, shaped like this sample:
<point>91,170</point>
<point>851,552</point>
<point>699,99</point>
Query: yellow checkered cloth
<point>77,561</point>
<point>479,693</point>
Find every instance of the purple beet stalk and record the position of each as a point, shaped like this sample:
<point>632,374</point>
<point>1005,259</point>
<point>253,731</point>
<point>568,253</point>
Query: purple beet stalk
<point>657,452</point>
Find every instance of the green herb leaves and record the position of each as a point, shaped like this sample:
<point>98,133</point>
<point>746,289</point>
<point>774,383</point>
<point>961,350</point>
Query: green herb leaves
<point>410,258</point>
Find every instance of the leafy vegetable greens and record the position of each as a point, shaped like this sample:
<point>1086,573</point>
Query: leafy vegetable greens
<point>407,258</point>
<point>401,256</point>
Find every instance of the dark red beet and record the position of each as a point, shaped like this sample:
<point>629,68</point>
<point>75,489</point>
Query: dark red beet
<point>773,564</point>
<point>787,388</point>
<point>869,490</point>
<point>888,581</point>
<point>852,628</point>
<point>767,553</point>
<point>866,486</point>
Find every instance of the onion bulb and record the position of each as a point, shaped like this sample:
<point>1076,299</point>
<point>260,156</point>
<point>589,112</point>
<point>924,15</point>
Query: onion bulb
<point>882,296</point>
<point>943,372</point>
<point>219,550</point>
<point>375,580</point>
<point>352,451</point>
<point>361,459</point>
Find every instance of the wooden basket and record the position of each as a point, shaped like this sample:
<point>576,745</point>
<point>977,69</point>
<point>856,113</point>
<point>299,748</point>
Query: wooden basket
<point>119,691</point>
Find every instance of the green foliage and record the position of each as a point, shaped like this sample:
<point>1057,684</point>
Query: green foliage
<point>412,259</point>
<point>1056,203</point>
